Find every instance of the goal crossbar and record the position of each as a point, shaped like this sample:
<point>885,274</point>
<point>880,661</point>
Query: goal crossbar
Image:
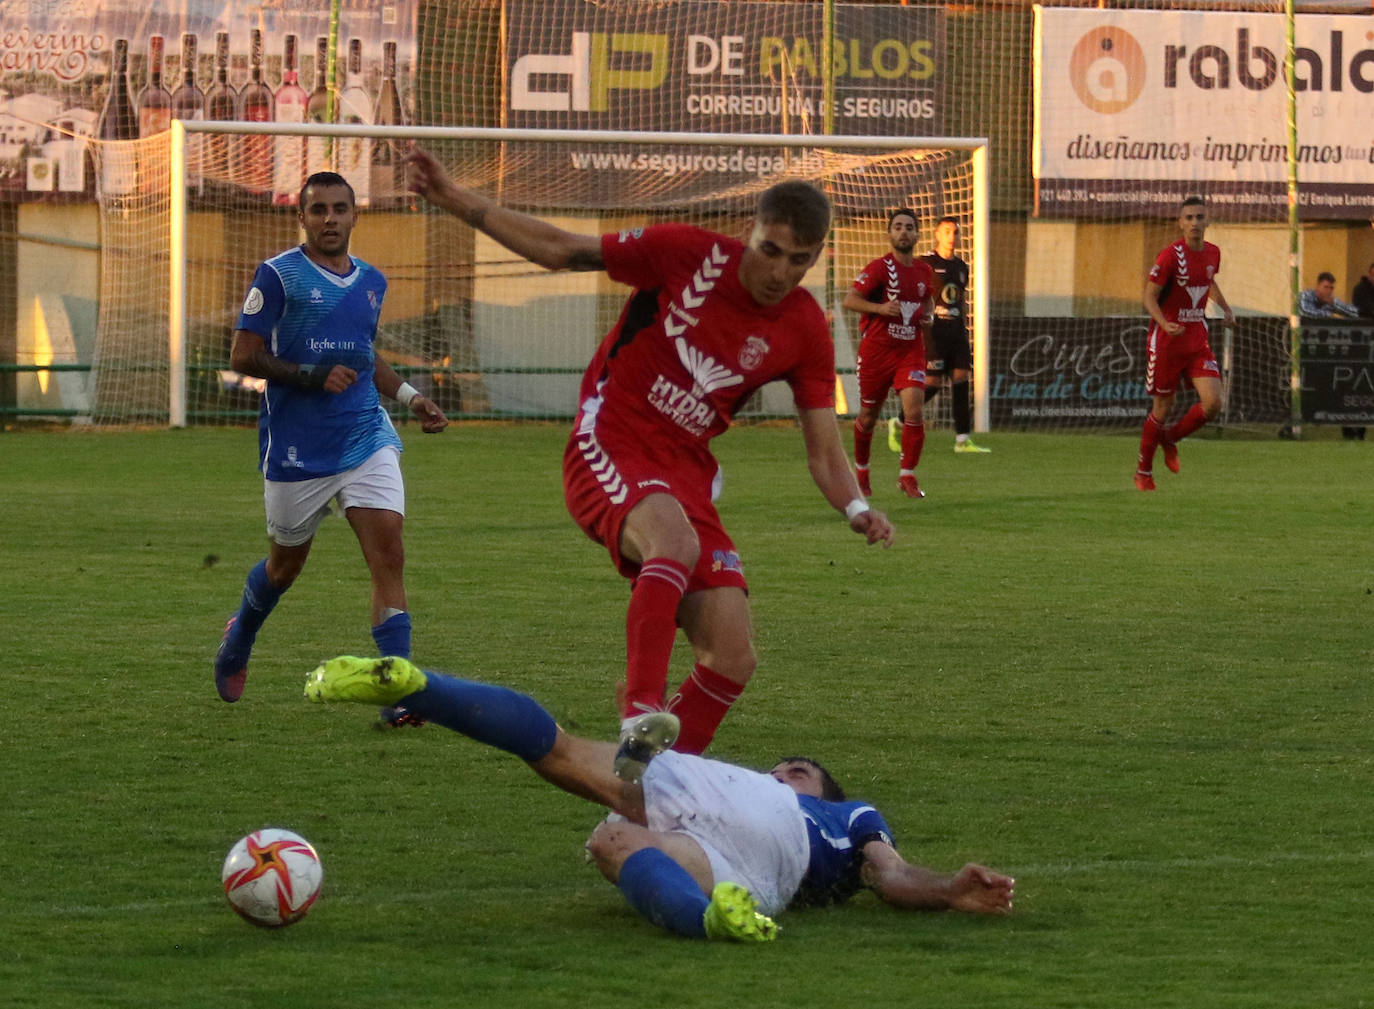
<point>977,147</point>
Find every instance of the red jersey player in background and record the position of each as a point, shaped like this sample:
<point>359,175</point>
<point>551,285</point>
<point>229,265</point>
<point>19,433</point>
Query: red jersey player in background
<point>895,298</point>
<point>1176,293</point>
<point>711,320</point>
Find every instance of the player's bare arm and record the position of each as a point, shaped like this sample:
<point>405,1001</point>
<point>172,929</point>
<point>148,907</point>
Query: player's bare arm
<point>1229,317</point>
<point>829,466</point>
<point>974,888</point>
<point>854,303</point>
<point>538,241</point>
<point>1150,299</point>
<point>250,356</point>
<point>426,411</point>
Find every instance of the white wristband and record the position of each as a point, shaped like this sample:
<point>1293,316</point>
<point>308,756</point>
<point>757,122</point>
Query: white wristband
<point>406,393</point>
<point>856,507</point>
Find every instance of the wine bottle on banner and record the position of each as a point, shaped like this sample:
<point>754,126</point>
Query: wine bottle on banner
<point>355,107</point>
<point>318,150</point>
<point>255,106</point>
<point>388,161</point>
<point>221,105</point>
<point>118,126</point>
<point>154,101</point>
<point>188,103</point>
<point>288,161</point>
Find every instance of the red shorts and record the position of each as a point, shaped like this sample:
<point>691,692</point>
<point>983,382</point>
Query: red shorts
<point>1170,359</point>
<point>884,365</point>
<point>602,484</point>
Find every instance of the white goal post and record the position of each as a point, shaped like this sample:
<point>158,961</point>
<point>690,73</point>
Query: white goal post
<point>866,176</point>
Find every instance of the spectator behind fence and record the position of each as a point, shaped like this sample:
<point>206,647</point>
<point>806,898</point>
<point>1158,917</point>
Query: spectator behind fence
<point>1320,302</point>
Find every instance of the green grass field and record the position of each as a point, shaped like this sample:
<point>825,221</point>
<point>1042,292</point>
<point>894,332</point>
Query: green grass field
<point>1153,710</point>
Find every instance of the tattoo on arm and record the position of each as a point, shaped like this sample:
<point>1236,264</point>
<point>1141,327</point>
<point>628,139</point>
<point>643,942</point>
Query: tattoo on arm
<point>587,260</point>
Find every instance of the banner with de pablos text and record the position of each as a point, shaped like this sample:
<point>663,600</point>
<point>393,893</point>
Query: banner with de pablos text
<point>1135,110</point>
<point>709,68</point>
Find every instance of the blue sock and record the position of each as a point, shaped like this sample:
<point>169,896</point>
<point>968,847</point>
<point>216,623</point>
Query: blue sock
<point>664,892</point>
<point>259,598</point>
<point>494,715</point>
<point>393,635</point>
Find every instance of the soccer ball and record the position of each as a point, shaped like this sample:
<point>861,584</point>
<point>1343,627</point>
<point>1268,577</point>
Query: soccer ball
<point>271,877</point>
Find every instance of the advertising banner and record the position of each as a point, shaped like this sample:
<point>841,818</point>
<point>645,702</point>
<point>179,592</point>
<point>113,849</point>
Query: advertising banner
<point>1337,372</point>
<point>1066,372</point>
<point>1136,109</point>
<point>119,71</point>
<point>707,68</point>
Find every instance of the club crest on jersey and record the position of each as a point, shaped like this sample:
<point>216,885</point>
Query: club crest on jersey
<point>372,299</point>
<point>628,233</point>
<point>752,353</point>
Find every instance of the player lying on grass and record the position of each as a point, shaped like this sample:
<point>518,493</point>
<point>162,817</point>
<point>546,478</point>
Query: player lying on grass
<point>701,848</point>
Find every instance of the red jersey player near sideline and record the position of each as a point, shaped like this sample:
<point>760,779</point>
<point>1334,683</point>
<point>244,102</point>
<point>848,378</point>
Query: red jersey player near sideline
<point>895,298</point>
<point>710,320</point>
<point>1177,289</point>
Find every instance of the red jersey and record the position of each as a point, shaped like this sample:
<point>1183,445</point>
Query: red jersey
<point>1185,278</point>
<point>886,279</point>
<point>692,345</point>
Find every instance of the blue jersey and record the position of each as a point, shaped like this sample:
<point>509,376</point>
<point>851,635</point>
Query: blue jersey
<point>317,319</point>
<point>837,832</point>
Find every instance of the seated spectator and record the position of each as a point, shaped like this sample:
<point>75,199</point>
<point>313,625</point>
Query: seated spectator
<point>1363,295</point>
<point>1320,302</point>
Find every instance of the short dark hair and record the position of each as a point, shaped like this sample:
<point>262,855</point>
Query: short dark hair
<point>799,205</point>
<point>1326,276</point>
<point>1193,201</point>
<point>326,179</point>
<point>950,218</point>
<point>903,211</point>
<point>830,788</point>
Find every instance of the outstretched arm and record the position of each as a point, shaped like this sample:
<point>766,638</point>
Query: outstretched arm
<point>540,242</point>
<point>896,881</point>
<point>829,467</point>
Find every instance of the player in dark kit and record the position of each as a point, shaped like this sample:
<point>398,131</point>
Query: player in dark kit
<point>700,847</point>
<point>949,360</point>
<point>1177,290</point>
<point>710,320</point>
<point>893,296</point>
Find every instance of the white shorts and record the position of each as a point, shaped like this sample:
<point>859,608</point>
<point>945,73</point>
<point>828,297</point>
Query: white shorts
<point>295,508</point>
<point>749,824</point>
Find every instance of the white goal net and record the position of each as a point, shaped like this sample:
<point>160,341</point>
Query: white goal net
<point>484,333</point>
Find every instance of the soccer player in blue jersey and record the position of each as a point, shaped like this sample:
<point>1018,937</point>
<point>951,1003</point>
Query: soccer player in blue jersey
<point>700,847</point>
<point>308,327</point>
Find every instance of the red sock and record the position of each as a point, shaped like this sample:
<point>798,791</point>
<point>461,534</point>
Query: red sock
<point>913,440</point>
<point>1192,420</point>
<point>1149,441</point>
<point>700,704</point>
<point>863,445</point>
<point>650,627</point>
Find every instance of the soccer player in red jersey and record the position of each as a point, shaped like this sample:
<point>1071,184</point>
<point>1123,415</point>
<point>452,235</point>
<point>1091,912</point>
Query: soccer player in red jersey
<point>710,320</point>
<point>1177,290</point>
<point>895,298</point>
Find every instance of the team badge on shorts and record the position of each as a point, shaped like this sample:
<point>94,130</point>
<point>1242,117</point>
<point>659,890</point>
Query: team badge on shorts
<point>751,354</point>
